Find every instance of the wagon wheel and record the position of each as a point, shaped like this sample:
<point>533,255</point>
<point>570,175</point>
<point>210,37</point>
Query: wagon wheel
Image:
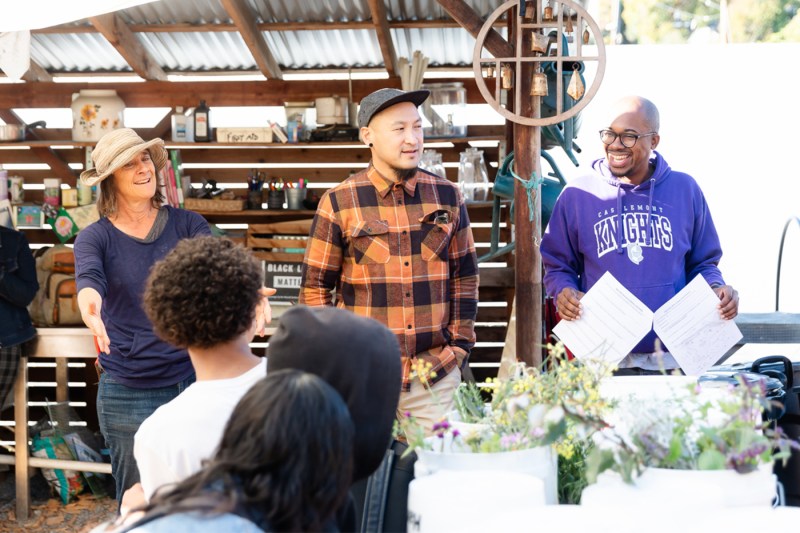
<point>563,15</point>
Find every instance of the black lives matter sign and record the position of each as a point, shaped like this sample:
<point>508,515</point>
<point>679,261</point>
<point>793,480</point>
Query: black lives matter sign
<point>283,277</point>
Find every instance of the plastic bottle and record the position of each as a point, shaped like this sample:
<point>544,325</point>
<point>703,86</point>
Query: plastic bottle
<point>202,127</point>
<point>179,125</point>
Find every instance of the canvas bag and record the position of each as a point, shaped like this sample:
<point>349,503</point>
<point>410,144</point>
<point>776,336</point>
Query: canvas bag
<point>56,302</point>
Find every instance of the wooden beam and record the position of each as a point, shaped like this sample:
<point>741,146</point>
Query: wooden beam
<point>59,167</point>
<point>37,73</point>
<point>263,26</point>
<point>527,225</point>
<point>163,127</point>
<point>378,11</point>
<point>45,153</point>
<point>9,117</point>
<point>228,93</point>
<point>128,45</point>
<point>244,18</point>
<point>472,22</point>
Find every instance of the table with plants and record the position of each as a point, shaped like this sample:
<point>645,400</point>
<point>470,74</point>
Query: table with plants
<point>571,445</point>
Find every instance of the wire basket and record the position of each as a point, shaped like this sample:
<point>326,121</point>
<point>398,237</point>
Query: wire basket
<point>204,204</point>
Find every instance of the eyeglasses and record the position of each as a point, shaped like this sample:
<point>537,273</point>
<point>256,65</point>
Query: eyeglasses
<point>628,140</point>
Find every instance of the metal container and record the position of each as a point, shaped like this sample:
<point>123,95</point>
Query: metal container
<point>332,110</point>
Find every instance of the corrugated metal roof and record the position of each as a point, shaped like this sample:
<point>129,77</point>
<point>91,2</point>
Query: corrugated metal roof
<point>199,51</point>
<point>177,12</point>
<point>76,52</point>
<point>325,49</point>
<point>311,11</point>
<point>226,51</point>
<point>431,10</point>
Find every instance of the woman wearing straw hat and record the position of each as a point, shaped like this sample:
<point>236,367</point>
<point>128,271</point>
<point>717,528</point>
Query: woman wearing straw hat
<point>138,371</point>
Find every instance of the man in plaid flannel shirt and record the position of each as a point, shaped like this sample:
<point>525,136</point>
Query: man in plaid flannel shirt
<point>394,243</point>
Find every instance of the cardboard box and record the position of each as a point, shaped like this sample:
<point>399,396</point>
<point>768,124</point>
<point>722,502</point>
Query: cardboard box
<point>244,135</point>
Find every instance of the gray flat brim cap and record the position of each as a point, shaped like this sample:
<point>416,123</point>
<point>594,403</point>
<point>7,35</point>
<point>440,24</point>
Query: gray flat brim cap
<point>374,103</point>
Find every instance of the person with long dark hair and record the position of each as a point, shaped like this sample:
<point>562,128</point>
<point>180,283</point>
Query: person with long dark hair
<point>284,464</point>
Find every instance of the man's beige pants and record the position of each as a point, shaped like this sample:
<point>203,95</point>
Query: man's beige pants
<point>430,406</point>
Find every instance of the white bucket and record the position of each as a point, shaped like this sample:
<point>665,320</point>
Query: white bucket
<point>540,462</point>
<point>683,489</point>
<point>458,500</point>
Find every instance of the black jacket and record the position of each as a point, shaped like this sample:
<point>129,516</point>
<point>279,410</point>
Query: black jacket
<point>18,286</point>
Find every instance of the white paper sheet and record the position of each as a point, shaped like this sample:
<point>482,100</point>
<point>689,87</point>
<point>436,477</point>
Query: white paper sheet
<point>692,330</point>
<point>612,323</point>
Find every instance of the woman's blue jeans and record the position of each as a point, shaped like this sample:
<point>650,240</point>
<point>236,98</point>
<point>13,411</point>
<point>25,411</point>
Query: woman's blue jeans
<point>120,411</point>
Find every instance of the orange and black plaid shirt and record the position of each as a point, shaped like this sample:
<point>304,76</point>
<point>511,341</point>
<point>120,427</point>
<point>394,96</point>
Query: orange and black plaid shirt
<point>403,254</point>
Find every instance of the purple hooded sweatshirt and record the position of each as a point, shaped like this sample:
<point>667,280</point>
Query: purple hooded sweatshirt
<point>654,237</point>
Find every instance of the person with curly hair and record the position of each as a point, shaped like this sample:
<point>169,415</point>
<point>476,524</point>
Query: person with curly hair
<point>284,464</point>
<point>203,296</point>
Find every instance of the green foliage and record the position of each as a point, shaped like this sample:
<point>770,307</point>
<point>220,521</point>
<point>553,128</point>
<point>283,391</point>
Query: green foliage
<point>469,403</point>
<point>675,21</point>
<point>691,432</point>
<point>572,475</point>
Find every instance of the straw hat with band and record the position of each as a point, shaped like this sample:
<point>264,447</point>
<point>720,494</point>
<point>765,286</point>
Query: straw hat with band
<point>116,148</point>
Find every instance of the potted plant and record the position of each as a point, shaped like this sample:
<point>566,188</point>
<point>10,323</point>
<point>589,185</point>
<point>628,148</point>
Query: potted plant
<point>532,418</point>
<point>699,447</point>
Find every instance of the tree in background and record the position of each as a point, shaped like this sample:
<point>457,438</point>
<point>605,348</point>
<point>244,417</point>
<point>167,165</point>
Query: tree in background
<point>682,21</point>
<point>762,20</point>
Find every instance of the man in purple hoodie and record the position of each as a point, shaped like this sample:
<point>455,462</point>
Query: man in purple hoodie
<point>635,217</point>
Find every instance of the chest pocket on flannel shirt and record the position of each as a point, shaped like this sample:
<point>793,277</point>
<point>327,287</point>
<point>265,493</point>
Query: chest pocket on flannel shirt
<point>370,242</point>
<point>436,227</point>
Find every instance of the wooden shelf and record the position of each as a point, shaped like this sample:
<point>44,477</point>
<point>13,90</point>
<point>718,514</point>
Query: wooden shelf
<point>267,146</point>
<point>255,216</point>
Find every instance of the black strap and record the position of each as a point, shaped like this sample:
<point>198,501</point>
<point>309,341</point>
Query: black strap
<point>377,492</point>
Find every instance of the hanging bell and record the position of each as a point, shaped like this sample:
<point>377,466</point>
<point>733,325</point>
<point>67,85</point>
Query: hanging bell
<point>567,22</point>
<point>539,84</point>
<point>506,82</point>
<point>539,43</point>
<point>488,72</point>
<point>527,10</point>
<point>585,36</point>
<point>575,88</point>
<point>548,13</point>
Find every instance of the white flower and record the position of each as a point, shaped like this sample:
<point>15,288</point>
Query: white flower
<point>554,416</point>
<point>536,415</point>
<point>518,402</point>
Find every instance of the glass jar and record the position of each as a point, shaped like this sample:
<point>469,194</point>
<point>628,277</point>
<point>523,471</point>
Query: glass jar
<point>431,161</point>
<point>52,191</point>
<point>473,176</point>
<point>445,109</point>
<point>95,112</point>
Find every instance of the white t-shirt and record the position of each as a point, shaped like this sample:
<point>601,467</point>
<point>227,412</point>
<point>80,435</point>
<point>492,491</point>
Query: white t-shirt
<point>171,444</point>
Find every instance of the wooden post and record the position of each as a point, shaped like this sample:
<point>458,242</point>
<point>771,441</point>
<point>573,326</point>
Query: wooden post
<point>528,271</point>
<point>21,474</point>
